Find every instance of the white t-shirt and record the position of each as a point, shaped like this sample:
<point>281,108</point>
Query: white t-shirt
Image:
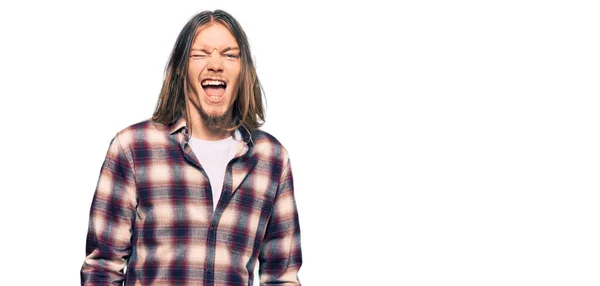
<point>214,157</point>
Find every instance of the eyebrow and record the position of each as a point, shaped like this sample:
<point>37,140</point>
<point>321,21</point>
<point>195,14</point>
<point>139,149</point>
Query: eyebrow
<point>224,50</point>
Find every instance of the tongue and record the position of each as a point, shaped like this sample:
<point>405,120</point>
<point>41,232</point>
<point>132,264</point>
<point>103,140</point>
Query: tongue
<point>214,91</point>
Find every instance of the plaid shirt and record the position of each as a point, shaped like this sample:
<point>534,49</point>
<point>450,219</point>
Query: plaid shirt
<point>152,212</point>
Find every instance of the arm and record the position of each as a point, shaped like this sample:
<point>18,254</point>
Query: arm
<point>112,214</point>
<point>280,255</point>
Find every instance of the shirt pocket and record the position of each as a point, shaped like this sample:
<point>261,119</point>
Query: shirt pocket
<point>244,216</point>
<point>240,243</point>
<point>240,252</point>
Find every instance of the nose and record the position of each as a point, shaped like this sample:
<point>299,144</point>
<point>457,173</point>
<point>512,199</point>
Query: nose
<point>214,62</point>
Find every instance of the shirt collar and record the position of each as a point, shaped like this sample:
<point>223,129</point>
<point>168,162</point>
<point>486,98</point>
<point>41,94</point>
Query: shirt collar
<point>241,131</point>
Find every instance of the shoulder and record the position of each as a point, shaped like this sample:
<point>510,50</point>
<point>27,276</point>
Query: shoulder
<point>265,144</point>
<point>146,131</point>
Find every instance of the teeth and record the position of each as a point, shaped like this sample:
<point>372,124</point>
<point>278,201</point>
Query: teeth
<point>212,82</point>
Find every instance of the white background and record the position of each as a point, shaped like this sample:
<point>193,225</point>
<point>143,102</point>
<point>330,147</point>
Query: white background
<point>432,142</point>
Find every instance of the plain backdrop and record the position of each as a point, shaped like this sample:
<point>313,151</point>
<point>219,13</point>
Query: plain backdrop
<point>432,142</point>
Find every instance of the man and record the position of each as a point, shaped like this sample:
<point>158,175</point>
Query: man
<point>197,194</point>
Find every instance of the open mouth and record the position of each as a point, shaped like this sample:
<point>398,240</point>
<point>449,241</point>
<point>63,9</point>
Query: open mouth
<point>215,89</point>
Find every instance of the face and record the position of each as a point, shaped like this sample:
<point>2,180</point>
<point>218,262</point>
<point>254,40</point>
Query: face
<point>213,74</point>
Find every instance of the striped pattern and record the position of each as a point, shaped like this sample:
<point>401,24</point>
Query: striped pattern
<point>152,213</point>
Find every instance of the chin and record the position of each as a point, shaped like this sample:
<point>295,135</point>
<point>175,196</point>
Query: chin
<point>214,111</point>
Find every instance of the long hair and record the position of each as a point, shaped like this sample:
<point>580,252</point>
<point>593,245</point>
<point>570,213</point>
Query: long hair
<point>248,107</point>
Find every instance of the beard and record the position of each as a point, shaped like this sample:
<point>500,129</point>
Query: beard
<point>215,121</point>
<point>212,121</point>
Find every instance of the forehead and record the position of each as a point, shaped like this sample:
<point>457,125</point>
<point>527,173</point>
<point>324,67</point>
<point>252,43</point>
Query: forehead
<point>214,35</point>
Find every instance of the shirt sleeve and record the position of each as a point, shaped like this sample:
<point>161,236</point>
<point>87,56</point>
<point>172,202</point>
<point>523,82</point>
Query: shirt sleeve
<point>112,215</point>
<point>280,255</point>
